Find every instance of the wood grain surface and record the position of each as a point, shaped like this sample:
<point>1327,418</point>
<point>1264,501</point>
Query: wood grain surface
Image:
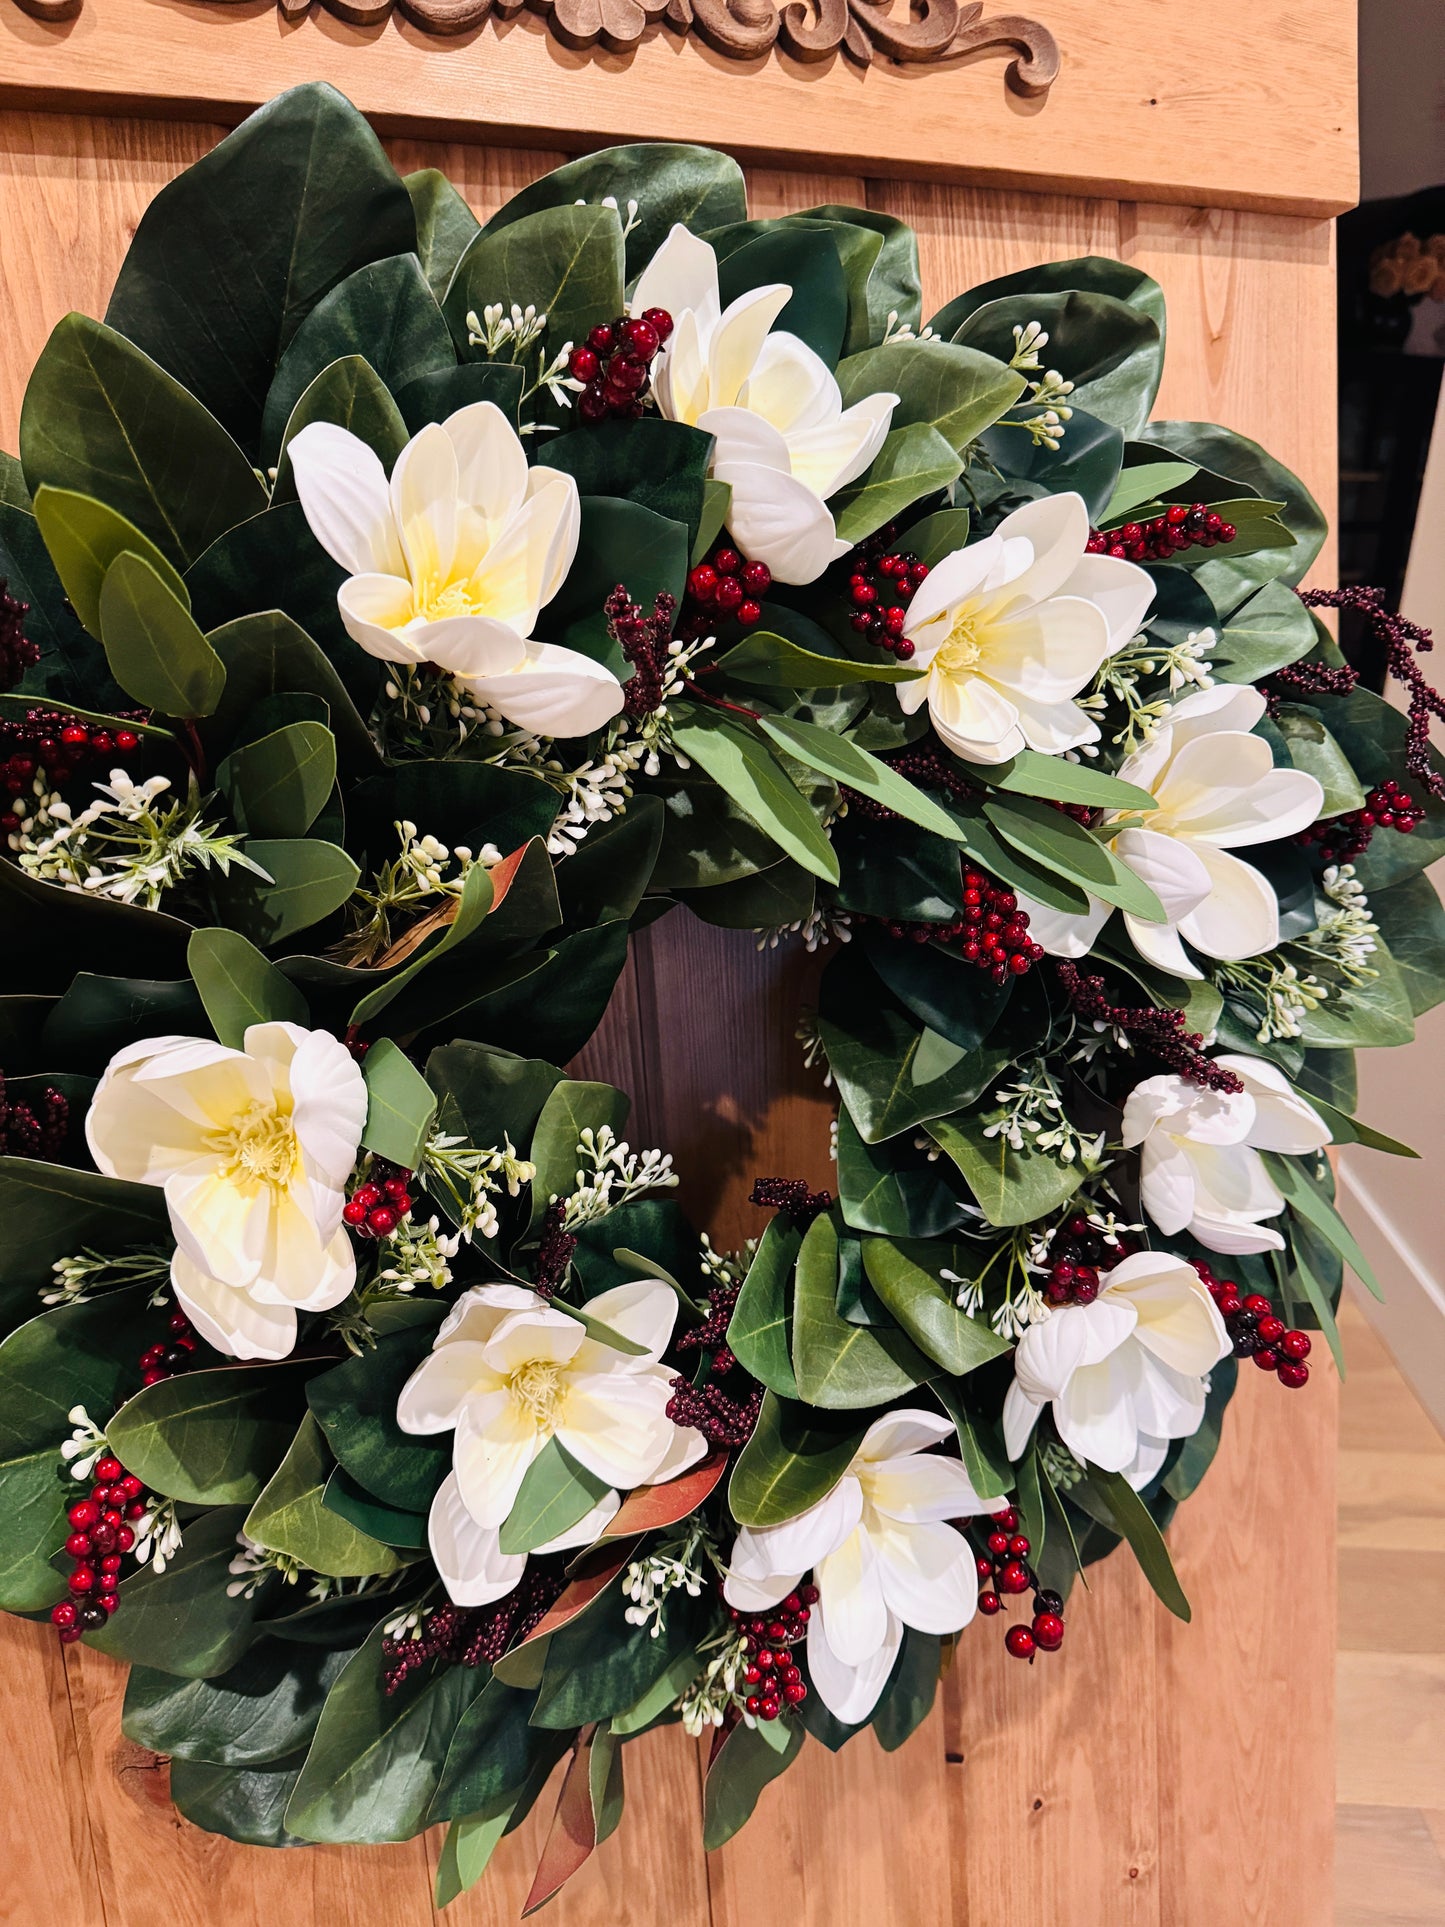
<point>1150,1774</point>
<point>1248,104</point>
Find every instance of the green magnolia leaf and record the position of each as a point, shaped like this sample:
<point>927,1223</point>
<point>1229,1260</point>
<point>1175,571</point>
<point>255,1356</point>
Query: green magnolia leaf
<point>1011,1187</point>
<point>914,461</point>
<point>266,655</point>
<point>291,1516</point>
<point>265,1708</point>
<point>84,538</point>
<point>384,311</point>
<point>564,261</point>
<point>1412,922</point>
<point>759,1332</point>
<point>957,390</point>
<point>773,662</point>
<point>905,1276</point>
<point>554,1495</point>
<point>1093,273</point>
<point>51,1211</point>
<point>654,464</point>
<point>375,1761</point>
<point>742,1766</point>
<point>908,1697</point>
<point>938,535</point>
<point>400,1105</point>
<point>277,786</point>
<point>841,1366</point>
<point>349,394</point>
<point>754,778</point>
<point>306,881</point>
<point>445,226</point>
<point>1131,1519</point>
<point>484,1092</point>
<point>890,1074</point>
<point>349,1501</point>
<point>211,1437</point>
<point>491,1753</point>
<point>846,763</point>
<point>596,1667</point>
<point>1032,774</point>
<point>153,644</point>
<point>1314,750</point>
<point>98,412</point>
<point>239,986</point>
<point>1353,1016</point>
<point>1058,842</point>
<point>1112,351</point>
<point>73,1354</point>
<point>572,1107</point>
<point>435,397</point>
<point>185,1619</point>
<point>795,1456</point>
<point>246,1804</point>
<point>232,255</point>
<point>1197,1452</point>
<point>893,291</point>
<point>980,1446</point>
<point>71,668</point>
<point>473,906</point>
<point>355,1404</point>
<point>1144,483</point>
<point>1372,733</point>
<point>670,181</point>
<point>893,1189</point>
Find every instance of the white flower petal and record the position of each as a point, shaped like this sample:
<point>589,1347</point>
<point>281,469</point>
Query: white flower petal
<point>644,1310</point>
<point>378,612</point>
<point>473,1567</point>
<point>553,692</point>
<point>928,1576</point>
<point>231,1321</point>
<point>779,521</point>
<point>343,492</point>
<point>681,275</point>
<point>739,335</point>
<point>797,1545</point>
<point>850,1693</point>
<point>424,496</point>
<point>851,1603</point>
<point>615,1424</point>
<point>433,1398</point>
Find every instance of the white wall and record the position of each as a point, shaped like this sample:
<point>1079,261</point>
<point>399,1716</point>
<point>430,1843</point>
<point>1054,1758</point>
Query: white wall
<point>1402,96</point>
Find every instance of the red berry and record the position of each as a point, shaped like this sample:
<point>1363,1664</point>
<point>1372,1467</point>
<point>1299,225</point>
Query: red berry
<point>1007,1520</point>
<point>1020,1642</point>
<point>1294,1376</point>
<point>124,1537</point>
<point>727,562</point>
<point>795,1692</point>
<point>583,364</point>
<point>750,614</point>
<point>84,1513</point>
<point>757,578</point>
<point>729,594</point>
<point>108,1470</point>
<point>131,1486</point>
<point>82,1579</point>
<point>1258,1304</point>
<point>1019,1547</point>
<point>107,1582</point>
<point>74,734</point>
<point>659,320</point>
<point>753,1703</point>
<point>367,1194</point>
<point>381,1221</point>
<point>1270,1329</point>
<point>110,1601</point>
<point>153,1375</point>
<point>1013,1578</point>
<point>808,1594</point>
<point>78,1546</point>
<point>983,1566</point>
<point>600,340</point>
<point>1266,1359</point>
<point>998,1544</point>
<point>702,583</point>
<point>135,1510</point>
<point>1295,1345</point>
<point>989,1603</point>
<point>354,1212</point>
<point>63,1615</point>
<point>126,739</point>
<point>1048,1631</point>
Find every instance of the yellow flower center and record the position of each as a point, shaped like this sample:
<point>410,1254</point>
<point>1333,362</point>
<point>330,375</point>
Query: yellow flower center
<point>539,1388</point>
<point>259,1147</point>
<point>439,601</point>
<point>963,648</point>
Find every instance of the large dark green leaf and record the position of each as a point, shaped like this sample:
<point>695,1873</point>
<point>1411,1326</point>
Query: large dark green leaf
<point>1112,352</point>
<point>1057,842</point>
<point>486,1092</point>
<point>291,1515</point>
<point>306,881</point>
<point>572,1107</point>
<point>598,1665</point>
<point>445,226</point>
<point>72,666</point>
<point>269,654</point>
<point>744,1764</point>
<point>400,1105</point>
<point>759,1333</point>
<point>231,256</point>
<point>795,1457</point>
<point>564,261</point>
<point>264,1708</point>
<point>1120,1506</point>
<point>619,542</point>
<point>660,465</point>
<point>384,311</point>
<point>349,394</point>
<point>906,1277</point>
<point>491,1753</point>
<point>1274,627</point>
<point>184,1619</point>
<point>740,763</point>
<point>211,1437</point>
<point>838,1365</point>
<point>1093,273</point>
<point>376,1758</point>
<point>355,1403</point>
<point>101,418</point>
<point>893,1188</point>
<point>1087,462</point>
<point>914,461</point>
<point>959,391</point>
<point>50,1211</point>
<point>908,1697</point>
<point>1011,1187</point>
<point>893,287</point>
<point>1372,734</point>
<point>1412,922</point>
<point>245,1803</point>
<point>76,1354</point>
<point>801,255</point>
<point>239,986</point>
<point>277,785</point>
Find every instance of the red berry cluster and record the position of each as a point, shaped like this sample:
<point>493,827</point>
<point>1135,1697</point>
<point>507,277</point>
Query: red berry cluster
<point>726,587</point>
<point>554,1250</point>
<point>380,1202</point>
<point>1340,839</point>
<point>172,1355</point>
<point>1160,1032</point>
<point>1257,1332</point>
<point>615,363</point>
<point>1004,1570</point>
<point>725,1418</point>
<point>57,746</point>
<point>992,933</point>
<point>1076,1252</point>
<point>99,1539</point>
<point>772,1672</point>
<point>17,652</point>
<point>645,641</point>
<point>795,1196</point>
<point>475,1635</point>
<point>881,584</point>
<point>1177,529</point>
<point>26,1133</point>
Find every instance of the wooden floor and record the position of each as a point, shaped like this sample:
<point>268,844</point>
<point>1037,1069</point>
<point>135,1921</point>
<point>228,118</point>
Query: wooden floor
<point>1390,1843</point>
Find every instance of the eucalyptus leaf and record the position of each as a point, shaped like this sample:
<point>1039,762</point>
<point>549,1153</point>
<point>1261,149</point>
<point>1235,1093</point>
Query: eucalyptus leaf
<point>840,1366</point>
<point>795,1456</point>
<point>239,986</point>
<point>400,1105</point>
<point>567,262</point>
<point>556,1492</point>
<point>278,785</point>
<point>759,1332</point>
<point>1011,1187</point>
<point>913,462</point>
<point>212,1436</point>
<point>906,1277</point>
<point>751,774</point>
<point>291,1517</point>
<point>84,538</point>
<point>153,644</point>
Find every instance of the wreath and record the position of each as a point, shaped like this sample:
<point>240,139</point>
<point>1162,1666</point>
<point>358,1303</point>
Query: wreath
<point>401,612</point>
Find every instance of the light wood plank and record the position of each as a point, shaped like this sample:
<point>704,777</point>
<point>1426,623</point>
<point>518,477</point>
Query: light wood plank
<point>1264,115</point>
<point>1388,1869</point>
<point>1391,1715</point>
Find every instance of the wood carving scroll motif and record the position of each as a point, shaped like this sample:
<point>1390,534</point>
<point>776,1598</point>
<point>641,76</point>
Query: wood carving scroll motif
<point>864,30</point>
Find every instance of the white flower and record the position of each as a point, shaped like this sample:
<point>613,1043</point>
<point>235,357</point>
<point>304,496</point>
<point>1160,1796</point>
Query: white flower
<point>1013,627</point>
<point>1218,790</point>
<point>508,1372</point>
<point>881,1555</point>
<point>253,1148</point>
<point>1125,1374</point>
<point>452,562</point>
<point>1200,1168</point>
<point>785,442</point>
